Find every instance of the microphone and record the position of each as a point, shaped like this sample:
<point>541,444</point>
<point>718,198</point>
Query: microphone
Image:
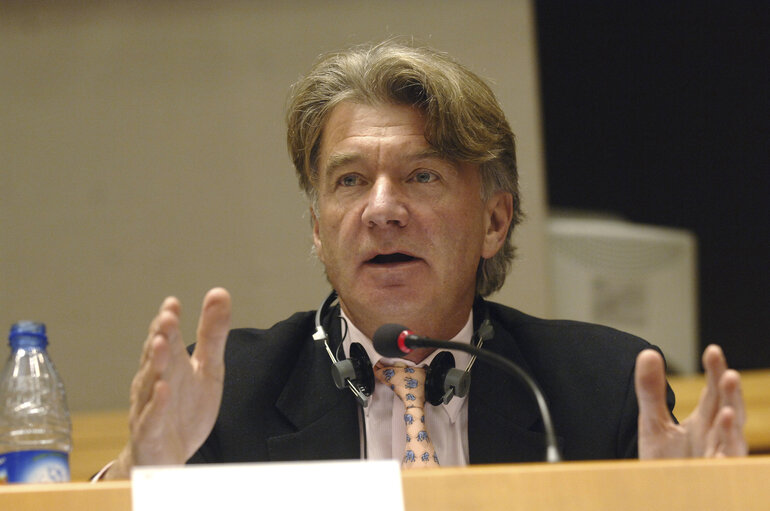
<point>394,341</point>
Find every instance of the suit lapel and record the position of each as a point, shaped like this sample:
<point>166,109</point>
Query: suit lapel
<point>325,418</point>
<point>504,423</point>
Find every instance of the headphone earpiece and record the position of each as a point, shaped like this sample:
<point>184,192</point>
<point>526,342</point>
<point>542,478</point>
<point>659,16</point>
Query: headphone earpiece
<point>357,369</point>
<point>443,380</point>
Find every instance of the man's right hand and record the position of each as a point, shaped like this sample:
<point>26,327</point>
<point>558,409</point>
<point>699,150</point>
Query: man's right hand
<point>175,397</point>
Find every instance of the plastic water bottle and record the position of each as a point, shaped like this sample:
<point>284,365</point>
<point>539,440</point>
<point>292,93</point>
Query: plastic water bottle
<point>35,427</point>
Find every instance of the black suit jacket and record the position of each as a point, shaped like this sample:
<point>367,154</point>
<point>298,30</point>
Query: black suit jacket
<point>280,403</point>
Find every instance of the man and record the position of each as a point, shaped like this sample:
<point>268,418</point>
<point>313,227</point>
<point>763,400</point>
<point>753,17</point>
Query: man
<point>409,166</point>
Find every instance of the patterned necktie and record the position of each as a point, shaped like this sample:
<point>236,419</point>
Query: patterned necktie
<point>409,384</point>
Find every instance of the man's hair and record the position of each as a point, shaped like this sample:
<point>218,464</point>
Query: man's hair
<point>464,121</point>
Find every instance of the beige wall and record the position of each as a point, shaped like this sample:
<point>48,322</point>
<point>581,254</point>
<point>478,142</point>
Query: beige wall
<point>142,154</point>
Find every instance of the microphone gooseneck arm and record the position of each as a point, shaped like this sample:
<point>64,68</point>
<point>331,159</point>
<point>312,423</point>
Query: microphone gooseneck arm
<point>394,341</point>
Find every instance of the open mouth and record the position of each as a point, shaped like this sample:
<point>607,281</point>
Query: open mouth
<point>391,258</point>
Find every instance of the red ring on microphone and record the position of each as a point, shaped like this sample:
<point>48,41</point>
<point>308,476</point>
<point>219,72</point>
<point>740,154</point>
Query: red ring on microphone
<point>402,341</point>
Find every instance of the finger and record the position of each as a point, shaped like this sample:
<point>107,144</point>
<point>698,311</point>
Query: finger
<point>650,382</point>
<point>169,325</point>
<point>213,326</point>
<point>170,305</point>
<point>147,376</point>
<point>731,395</point>
<point>156,360</point>
<point>729,434</point>
<point>715,365</point>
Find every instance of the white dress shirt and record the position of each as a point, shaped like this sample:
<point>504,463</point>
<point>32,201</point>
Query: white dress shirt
<point>384,416</point>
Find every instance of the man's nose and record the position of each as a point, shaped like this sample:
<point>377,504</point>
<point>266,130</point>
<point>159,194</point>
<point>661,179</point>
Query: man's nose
<point>386,204</point>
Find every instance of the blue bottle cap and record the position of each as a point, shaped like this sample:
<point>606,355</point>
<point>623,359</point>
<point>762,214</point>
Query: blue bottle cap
<point>28,334</point>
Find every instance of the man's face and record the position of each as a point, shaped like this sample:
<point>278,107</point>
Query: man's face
<point>400,229</point>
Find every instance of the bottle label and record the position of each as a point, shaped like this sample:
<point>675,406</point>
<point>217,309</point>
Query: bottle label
<point>34,467</point>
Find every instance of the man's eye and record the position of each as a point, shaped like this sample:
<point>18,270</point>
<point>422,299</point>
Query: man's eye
<point>349,180</point>
<point>424,177</point>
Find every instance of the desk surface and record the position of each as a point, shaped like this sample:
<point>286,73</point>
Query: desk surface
<point>736,484</point>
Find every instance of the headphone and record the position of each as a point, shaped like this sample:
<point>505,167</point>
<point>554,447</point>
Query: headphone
<point>443,380</point>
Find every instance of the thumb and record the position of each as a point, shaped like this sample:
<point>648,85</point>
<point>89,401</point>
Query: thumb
<point>213,326</point>
<point>650,382</point>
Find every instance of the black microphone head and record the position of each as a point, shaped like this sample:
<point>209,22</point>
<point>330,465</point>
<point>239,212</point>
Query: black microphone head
<point>386,340</point>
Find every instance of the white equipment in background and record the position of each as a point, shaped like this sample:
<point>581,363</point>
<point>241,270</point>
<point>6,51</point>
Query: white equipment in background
<point>636,278</point>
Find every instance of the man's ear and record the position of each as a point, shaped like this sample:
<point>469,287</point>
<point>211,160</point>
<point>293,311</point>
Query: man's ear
<point>498,218</point>
<point>316,235</point>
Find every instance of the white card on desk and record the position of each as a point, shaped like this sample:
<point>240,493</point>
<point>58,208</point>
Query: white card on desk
<point>320,486</point>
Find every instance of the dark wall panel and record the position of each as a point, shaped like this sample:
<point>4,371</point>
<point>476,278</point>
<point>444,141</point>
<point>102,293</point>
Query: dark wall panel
<point>660,111</point>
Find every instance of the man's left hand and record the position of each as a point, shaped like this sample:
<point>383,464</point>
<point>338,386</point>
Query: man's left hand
<point>714,429</point>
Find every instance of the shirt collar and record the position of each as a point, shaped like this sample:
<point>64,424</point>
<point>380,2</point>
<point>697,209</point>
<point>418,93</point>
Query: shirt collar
<point>353,334</point>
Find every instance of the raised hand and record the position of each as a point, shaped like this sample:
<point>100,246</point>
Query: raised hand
<point>714,429</point>
<point>175,397</point>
